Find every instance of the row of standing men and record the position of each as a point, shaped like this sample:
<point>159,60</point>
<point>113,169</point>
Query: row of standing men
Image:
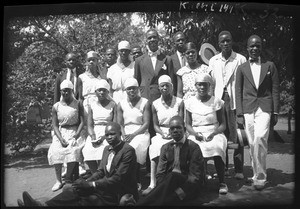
<point>246,90</point>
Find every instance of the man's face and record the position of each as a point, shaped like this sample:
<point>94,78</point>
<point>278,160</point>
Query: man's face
<point>136,52</point>
<point>225,43</point>
<point>152,40</point>
<point>254,47</point>
<point>113,135</point>
<point>111,57</point>
<point>124,54</point>
<point>176,130</point>
<point>179,41</point>
<point>71,61</point>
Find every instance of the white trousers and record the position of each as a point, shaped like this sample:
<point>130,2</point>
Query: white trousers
<point>257,130</point>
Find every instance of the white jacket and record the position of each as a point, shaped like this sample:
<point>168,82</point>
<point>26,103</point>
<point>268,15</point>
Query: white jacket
<point>216,64</point>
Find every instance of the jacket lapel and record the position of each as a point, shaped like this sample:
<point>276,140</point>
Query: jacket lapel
<point>159,63</point>
<point>263,72</point>
<point>176,62</point>
<point>148,65</point>
<point>248,74</point>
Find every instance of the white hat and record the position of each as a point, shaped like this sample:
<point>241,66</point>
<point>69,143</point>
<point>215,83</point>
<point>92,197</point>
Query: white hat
<point>124,45</point>
<point>92,54</point>
<point>66,84</point>
<point>164,79</point>
<point>203,77</point>
<point>102,84</point>
<point>206,52</point>
<point>130,82</point>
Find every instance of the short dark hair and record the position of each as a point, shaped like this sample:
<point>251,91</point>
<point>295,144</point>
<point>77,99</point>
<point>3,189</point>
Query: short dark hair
<point>178,118</point>
<point>177,33</point>
<point>224,32</point>
<point>254,36</point>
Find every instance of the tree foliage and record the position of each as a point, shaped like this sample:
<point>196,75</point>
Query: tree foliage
<point>36,49</point>
<point>277,32</point>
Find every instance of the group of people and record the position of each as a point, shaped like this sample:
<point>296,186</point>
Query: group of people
<point>176,110</point>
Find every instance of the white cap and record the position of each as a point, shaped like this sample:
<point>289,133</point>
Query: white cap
<point>66,84</point>
<point>164,79</point>
<point>124,45</point>
<point>92,54</point>
<point>203,77</point>
<point>130,82</point>
<point>102,84</point>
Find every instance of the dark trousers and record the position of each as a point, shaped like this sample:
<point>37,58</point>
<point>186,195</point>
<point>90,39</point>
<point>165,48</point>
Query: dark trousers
<point>164,193</point>
<point>231,135</point>
<point>72,172</point>
<point>70,197</point>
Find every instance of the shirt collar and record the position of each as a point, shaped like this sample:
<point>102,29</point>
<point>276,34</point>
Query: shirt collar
<point>181,140</point>
<point>151,53</point>
<point>116,148</point>
<point>257,62</point>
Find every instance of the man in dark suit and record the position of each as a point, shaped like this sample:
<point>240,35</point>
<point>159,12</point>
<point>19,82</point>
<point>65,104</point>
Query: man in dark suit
<point>114,178</point>
<point>70,73</point>
<point>180,170</point>
<point>257,105</point>
<point>178,57</point>
<point>150,66</point>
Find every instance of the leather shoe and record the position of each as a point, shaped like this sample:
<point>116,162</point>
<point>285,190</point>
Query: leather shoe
<point>223,188</point>
<point>29,201</point>
<point>57,186</point>
<point>20,203</point>
<point>239,176</point>
<point>146,191</point>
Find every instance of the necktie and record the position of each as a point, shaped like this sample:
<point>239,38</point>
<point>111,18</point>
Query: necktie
<point>109,160</point>
<point>183,63</point>
<point>176,157</point>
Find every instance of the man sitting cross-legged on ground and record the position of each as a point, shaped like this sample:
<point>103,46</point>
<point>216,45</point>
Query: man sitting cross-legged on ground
<point>180,169</point>
<point>114,178</point>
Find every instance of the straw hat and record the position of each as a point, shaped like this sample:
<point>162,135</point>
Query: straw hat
<point>206,52</point>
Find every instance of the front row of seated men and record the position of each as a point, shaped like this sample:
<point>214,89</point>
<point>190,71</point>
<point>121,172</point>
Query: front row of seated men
<point>179,175</point>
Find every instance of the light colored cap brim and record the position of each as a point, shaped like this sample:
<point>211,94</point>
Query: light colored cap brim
<point>124,45</point>
<point>206,52</point>
<point>66,84</point>
<point>164,79</point>
<point>130,82</point>
<point>92,54</point>
<point>102,84</point>
<point>203,77</point>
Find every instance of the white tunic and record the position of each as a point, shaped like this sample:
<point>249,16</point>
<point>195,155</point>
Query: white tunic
<point>204,120</point>
<point>133,120</point>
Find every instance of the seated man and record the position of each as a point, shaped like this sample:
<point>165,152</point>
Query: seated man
<point>180,170</point>
<point>114,178</point>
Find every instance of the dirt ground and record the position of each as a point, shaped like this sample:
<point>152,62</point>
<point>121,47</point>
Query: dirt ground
<point>33,174</point>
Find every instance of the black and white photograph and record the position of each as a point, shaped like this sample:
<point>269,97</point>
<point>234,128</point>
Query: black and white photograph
<point>149,103</point>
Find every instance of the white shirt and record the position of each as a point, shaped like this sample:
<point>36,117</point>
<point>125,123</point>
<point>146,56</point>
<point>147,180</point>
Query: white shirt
<point>255,69</point>
<point>180,56</point>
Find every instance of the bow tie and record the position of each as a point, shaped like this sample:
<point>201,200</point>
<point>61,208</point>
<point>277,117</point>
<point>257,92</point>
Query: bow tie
<point>253,60</point>
<point>152,54</point>
<point>177,143</point>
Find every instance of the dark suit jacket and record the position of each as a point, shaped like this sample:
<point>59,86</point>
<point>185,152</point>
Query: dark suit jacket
<point>248,97</point>
<point>147,77</point>
<point>60,78</point>
<point>121,179</point>
<point>191,164</point>
<point>176,66</point>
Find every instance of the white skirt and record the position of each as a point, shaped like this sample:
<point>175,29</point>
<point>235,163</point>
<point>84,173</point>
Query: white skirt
<point>216,147</point>
<point>94,153</point>
<point>157,142</point>
<point>140,143</point>
<point>57,154</point>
